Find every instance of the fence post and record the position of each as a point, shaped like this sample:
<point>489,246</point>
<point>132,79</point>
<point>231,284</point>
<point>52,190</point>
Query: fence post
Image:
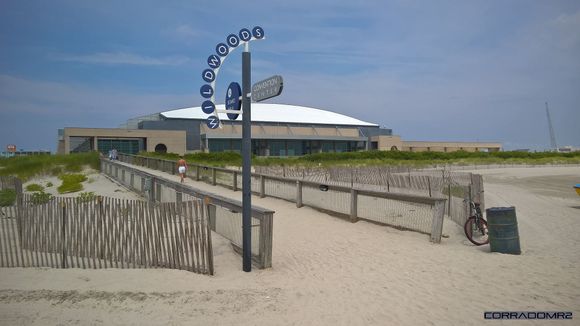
<point>197,169</point>
<point>211,210</point>
<point>437,223</point>
<point>353,205</point>
<point>63,236</point>
<point>467,205</point>
<point>265,245</point>
<point>262,186</point>
<point>351,177</point>
<point>152,190</point>
<point>213,176</point>
<point>235,186</point>
<point>429,185</point>
<point>298,193</point>
<point>388,178</point>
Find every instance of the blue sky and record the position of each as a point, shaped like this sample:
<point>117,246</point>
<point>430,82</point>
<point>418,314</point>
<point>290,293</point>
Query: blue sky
<point>430,70</point>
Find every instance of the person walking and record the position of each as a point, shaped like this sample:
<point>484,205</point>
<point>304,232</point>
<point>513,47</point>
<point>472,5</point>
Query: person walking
<point>181,167</point>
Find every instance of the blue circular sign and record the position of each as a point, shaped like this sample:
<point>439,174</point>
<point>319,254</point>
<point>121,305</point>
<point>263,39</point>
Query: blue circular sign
<point>214,61</point>
<point>233,40</point>
<point>208,107</point>
<point>258,32</point>
<point>208,75</point>
<point>213,122</point>
<point>233,99</point>
<point>222,49</point>
<point>206,91</point>
<point>245,34</point>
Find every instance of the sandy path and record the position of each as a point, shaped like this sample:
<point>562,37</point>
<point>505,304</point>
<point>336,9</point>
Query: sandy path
<point>330,272</point>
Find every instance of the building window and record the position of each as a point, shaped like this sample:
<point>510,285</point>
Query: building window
<point>341,146</point>
<point>80,144</point>
<point>161,148</point>
<point>126,146</point>
<point>294,148</point>
<point>277,148</point>
<point>327,146</point>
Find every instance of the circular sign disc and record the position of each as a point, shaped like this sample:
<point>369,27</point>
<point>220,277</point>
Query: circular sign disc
<point>213,122</point>
<point>233,99</point>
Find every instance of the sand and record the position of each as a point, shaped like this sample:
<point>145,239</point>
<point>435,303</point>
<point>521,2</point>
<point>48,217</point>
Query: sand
<point>327,271</point>
<point>96,182</point>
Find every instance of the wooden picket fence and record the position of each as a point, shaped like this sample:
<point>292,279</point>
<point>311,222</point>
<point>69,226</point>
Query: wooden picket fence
<point>106,233</point>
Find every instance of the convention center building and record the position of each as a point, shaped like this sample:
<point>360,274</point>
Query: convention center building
<point>277,130</point>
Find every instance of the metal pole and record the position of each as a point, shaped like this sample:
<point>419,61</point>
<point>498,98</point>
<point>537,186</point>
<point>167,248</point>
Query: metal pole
<point>246,161</point>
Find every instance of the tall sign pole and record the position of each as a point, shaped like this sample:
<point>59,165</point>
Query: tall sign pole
<point>247,159</point>
<point>207,91</point>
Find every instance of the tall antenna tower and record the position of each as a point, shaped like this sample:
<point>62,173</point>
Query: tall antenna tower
<point>552,136</point>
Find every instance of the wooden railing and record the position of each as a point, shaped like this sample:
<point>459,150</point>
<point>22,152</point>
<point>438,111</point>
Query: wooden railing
<point>405,211</point>
<point>159,189</point>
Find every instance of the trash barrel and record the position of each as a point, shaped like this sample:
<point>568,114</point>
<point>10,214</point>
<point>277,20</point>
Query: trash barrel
<point>503,230</point>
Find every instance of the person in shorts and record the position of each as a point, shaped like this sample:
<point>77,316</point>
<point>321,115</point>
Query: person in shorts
<point>181,168</point>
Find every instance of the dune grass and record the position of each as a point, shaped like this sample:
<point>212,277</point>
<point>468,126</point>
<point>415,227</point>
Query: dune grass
<point>396,158</point>
<point>26,167</point>
<point>34,187</point>
<point>7,197</point>
<point>71,183</point>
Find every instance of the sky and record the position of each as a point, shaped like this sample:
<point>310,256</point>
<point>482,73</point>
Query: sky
<point>430,70</point>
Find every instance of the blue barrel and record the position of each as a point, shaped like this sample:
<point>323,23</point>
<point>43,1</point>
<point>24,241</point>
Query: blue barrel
<point>503,230</point>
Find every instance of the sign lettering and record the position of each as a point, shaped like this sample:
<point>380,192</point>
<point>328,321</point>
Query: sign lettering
<point>213,61</point>
<point>267,88</point>
<point>206,91</point>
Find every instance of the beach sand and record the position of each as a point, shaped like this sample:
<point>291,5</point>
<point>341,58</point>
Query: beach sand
<point>328,271</point>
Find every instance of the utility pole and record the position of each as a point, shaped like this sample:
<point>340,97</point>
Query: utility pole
<point>552,135</point>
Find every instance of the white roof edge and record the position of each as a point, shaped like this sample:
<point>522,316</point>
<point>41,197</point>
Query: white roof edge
<point>282,113</point>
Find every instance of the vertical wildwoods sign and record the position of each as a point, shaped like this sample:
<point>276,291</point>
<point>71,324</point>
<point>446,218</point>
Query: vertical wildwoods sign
<point>209,75</point>
<point>233,96</point>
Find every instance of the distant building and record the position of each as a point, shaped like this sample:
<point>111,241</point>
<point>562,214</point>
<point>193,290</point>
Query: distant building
<point>129,141</point>
<point>277,130</point>
<point>568,149</point>
<point>7,154</point>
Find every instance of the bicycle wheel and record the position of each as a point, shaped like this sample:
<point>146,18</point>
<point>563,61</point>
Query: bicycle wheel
<point>477,234</point>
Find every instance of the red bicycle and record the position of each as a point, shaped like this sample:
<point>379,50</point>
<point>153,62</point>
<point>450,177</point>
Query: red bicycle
<point>476,226</point>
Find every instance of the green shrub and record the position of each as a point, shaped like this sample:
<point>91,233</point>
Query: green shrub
<point>68,188</point>
<point>214,159</point>
<point>375,157</point>
<point>73,167</point>
<point>7,197</point>
<point>72,178</point>
<point>71,183</point>
<point>49,184</point>
<point>56,170</point>
<point>34,187</point>
<point>26,167</point>
<point>86,196</point>
<point>40,197</point>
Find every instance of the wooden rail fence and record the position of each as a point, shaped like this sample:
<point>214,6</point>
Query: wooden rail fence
<point>405,211</point>
<point>223,211</point>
